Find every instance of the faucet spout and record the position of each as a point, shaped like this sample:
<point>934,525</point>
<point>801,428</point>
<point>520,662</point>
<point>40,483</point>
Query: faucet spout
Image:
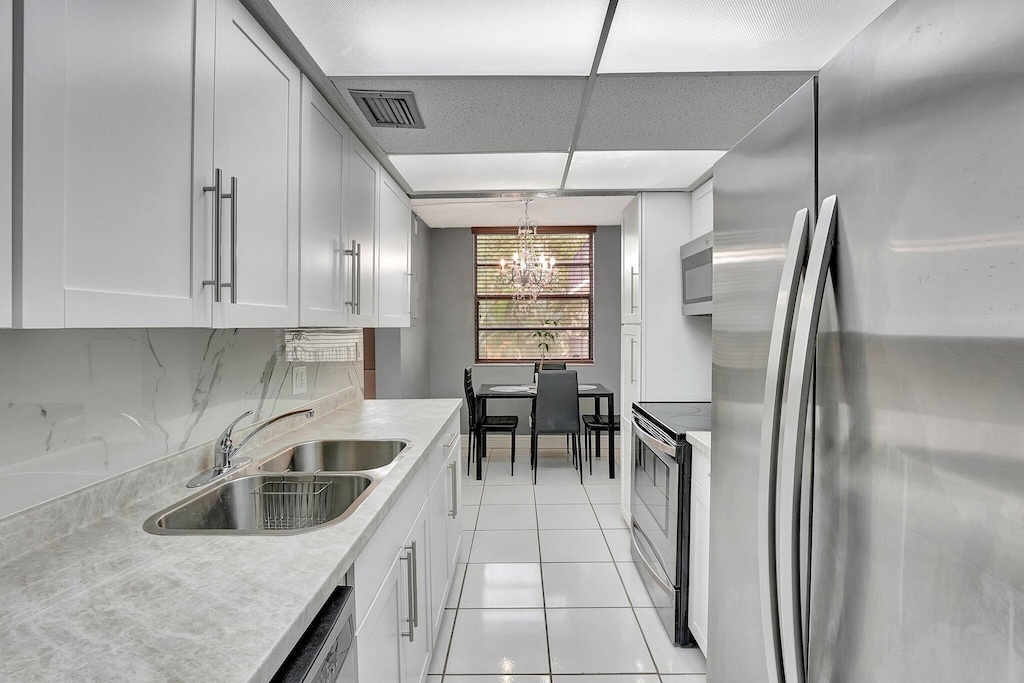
<point>226,449</point>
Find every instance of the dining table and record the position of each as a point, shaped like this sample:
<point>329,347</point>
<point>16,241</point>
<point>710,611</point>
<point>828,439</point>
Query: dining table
<point>490,392</point>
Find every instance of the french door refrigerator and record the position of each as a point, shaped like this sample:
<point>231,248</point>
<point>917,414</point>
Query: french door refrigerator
<point>867,519</point>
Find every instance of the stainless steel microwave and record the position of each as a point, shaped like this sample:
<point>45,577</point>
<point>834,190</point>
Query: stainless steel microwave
<point>695,257</point>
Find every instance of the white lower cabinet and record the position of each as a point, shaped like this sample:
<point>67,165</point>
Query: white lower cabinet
<point>445,529</point>
<point>700,547</point>
<point>414,548</point>
<point>380,645</point>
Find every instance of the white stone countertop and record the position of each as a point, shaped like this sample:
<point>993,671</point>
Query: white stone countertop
<point>700,440</point>
<point>114,603</point>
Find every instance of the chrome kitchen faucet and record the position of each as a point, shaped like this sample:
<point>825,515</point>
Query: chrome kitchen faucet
<point>223,455</point>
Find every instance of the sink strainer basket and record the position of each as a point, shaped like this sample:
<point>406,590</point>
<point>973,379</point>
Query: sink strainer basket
<point>288,504</point>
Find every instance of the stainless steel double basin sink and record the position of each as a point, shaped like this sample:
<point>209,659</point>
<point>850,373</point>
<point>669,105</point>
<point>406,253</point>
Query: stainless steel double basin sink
<point>301,488</point>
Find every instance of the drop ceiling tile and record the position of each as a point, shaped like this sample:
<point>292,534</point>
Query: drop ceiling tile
<point>742,35</point>
<point>681,111</point>
<point>480,172</point>
<point>505,211</point>
<point>641,170</point>
<point>450,38</point>
<point>479,114</point>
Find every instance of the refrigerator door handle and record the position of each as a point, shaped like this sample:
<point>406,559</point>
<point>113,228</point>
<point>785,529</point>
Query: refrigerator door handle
<point>791,455</point>
<point>789,287</point>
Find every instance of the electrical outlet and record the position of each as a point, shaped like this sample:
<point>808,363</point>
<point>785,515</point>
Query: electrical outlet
<point>298,380</point>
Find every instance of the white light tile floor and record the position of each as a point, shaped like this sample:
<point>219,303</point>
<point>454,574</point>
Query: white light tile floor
<point>549,594</point>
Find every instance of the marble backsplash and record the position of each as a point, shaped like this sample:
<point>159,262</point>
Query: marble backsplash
<point>79,406</point>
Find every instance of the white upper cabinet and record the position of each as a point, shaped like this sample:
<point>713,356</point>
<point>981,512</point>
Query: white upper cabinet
<point>630,294</point>
<point>324,276</point>
<point>6,89</point>
<point>248,94</point>
<point>394,286</point>
<point>104,235</point>
<point>703,209</point>
<point>361,233</point>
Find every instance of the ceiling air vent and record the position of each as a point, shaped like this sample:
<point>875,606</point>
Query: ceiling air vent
<point>388,108</point>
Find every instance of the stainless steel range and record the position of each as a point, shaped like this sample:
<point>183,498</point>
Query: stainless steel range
<point>660,505</point>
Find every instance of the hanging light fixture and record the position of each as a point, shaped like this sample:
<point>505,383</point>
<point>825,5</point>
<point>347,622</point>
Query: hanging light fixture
<point>529,272</point>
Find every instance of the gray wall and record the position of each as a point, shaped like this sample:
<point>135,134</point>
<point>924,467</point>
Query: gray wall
<point>403,363</point>
<point>451,326</point>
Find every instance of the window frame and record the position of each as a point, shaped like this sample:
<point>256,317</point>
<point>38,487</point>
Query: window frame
<point>590,231</point>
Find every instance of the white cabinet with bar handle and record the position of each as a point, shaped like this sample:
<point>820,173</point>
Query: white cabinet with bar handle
<point>361,199</point>
<point>324,273</point>
<point>414,548</point>
<point>159,167</point>
<point>247,118</point>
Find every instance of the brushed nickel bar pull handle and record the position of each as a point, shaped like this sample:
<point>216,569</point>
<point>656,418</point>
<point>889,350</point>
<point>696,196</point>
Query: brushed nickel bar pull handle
<point>410,575</point>
<point>352,277</point>
<point>633,273</point>
<point>215,189</point>
<point>359,278</point>
<point>409,275</point>
<point>632,360</point>
<point>451,442</point>
<point>796,257</point>
<point>453,471</point>
<point>233,196</point>
<point>791,456</point>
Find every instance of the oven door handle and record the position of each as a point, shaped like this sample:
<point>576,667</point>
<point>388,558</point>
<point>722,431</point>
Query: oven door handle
<point>658,447</point>
<point>637,533</point>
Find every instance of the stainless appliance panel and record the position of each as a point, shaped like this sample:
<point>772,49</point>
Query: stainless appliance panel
<point>658,582</point>
<point>917,569</point>
<point>654,503</point>
<point>759,186</point>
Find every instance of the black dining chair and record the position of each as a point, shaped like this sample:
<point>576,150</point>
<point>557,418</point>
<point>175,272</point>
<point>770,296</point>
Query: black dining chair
<point>548,365</point>
<point>593,425</point>
<point>479,425</point>
<point>556,410</point>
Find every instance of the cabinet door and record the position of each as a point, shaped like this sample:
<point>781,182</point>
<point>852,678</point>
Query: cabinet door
<point>700,566</point>
<point>455,501</point>
<point>324,156</point>
<point>256,146</point>
<point>380,645</point>
<point>703,208</point>
<point>6,90</point>
<point>416,589</point>
<point>361,232</point>
<point>630,295</point>
<point>105,230</point>
<point>394,292</point>
<point>439,511</point>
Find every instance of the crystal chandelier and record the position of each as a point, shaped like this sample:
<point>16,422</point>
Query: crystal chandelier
<point>529,273</point>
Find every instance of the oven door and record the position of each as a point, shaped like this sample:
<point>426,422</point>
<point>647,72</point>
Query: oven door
<point>654,503</point>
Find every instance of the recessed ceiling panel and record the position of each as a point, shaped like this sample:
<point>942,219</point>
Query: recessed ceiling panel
<point>449,38</point>
<point>480,172</point>
<point>480,114</point>
<point>740,35</point>
<point>501,212</point>
<point>681,111</point>
<point>639,170</point>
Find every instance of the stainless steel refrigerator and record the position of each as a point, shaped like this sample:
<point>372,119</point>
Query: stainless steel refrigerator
<point>867,502</point>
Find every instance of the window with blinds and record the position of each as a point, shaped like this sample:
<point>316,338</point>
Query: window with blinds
<point>560,324</point>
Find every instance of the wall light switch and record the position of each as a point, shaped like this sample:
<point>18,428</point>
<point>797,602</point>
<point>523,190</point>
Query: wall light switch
<point>298,380</point>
